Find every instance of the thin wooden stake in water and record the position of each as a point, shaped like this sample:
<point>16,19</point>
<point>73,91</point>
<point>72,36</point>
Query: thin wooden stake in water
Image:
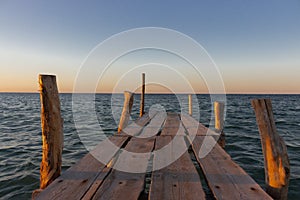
<point>277,167</point>
<point>142,106</point>
<point>190,105</point>
<point>128,102</point>
<point>219,122</point>
<point>52,130</point>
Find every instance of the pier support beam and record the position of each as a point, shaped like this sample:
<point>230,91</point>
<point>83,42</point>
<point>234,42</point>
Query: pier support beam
<point>277,167</point>
<point>190,104</point>
<point>128,102</point>
<point>142,106</point>
<point>52,130</point>
<point>219,122</point>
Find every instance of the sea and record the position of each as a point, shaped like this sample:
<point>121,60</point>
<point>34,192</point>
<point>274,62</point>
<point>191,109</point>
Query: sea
<point>21,142</point>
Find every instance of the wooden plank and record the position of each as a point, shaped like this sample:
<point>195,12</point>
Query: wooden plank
<point>132,129</point>
<point>226,179</point>
<point>87,170</point>
<point>120,184</point>
<point>277,166</point>
<point>179,178</point>
<point>195,128</point>
<point>99,180</point>
<point>172,125</point>
<point>135,128</point>
<point>154,126</point>
<point>74,182</point>
<point>149,129</point>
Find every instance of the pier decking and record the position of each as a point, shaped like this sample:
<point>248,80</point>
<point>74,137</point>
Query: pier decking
<point>91,179</point>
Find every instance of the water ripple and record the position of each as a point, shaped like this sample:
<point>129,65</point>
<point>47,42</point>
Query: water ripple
<point>20,150</point>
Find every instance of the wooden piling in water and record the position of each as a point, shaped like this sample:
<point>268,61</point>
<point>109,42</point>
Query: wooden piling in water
<point>52,130</point>
<point>190,104</point>
<point>125,116</point>
<point>219,121</point>
<point>142,106</point>
<point>277,167</point>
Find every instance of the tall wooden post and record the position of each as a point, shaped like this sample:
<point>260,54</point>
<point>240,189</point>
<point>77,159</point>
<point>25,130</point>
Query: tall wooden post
<point>142,106</point>
<point>277,167</point>
<point>190,105</point>
<point>52,130</point>
<point>128,102</point>
<point>219,122</point>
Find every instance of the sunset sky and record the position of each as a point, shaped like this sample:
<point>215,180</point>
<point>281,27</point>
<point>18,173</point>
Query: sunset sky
<point>255,44</point>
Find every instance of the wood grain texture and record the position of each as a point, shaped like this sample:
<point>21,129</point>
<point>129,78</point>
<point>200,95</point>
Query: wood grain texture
<point>174,175</point>
<point>219,115</point>
<point>122,184</point>
<point>52,130</point>
<point>78,179</point>
<point>172,125</point>
<point>178,179</point>
<point>277,167</point>
<point>155,125</point>
<point>136,127</point>
<point>195,128</point>
<point>219,121</point>
<point>125,116</point>
<point>225,178</point>
<point>75,182</point>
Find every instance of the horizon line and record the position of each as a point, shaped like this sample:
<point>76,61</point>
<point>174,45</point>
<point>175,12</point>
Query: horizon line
<point>180,93</point>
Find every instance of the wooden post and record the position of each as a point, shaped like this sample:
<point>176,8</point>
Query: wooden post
<point>52,130</point>
<point>219,122</point>
<point>277,167</point>
<point>190,105</point>
<point>142,106</point>
<point>128,102</point>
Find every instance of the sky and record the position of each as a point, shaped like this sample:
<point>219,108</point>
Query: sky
<point>254,45</point>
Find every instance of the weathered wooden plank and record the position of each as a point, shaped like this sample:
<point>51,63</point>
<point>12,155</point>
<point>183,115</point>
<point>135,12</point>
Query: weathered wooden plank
<point>135,128</point>
<point>122,184</point>
<point>195,128</point>
<point>172,125</point>
<point>277,166</point>
<point>99,180</point>
<point>179,179</point>
<point>132,129</point>
<point>226,179</point>
<point>154,126</point>
<point>74,182</point>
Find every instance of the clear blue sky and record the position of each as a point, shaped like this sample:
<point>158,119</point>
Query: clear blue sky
<point>255,44</point>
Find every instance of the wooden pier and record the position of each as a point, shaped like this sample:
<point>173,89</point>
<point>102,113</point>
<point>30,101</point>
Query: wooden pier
<point>90,179</point>
<point>183,171</point>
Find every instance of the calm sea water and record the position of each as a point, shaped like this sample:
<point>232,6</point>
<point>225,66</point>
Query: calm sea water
<point>20,134</point>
